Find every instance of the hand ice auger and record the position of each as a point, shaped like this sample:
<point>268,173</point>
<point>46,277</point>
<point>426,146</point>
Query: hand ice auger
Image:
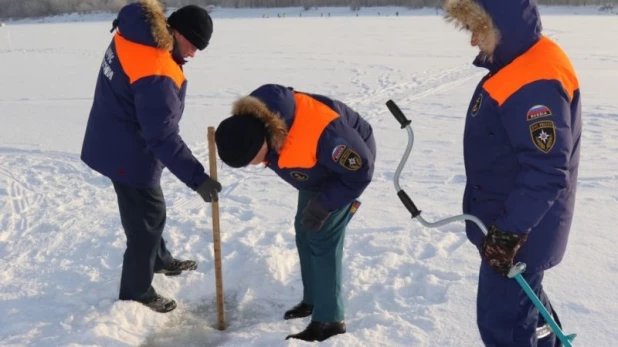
<point>515,271</point>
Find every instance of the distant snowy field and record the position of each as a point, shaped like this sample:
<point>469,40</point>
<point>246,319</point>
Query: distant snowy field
<point>286,12</point>
<point>61,242</point>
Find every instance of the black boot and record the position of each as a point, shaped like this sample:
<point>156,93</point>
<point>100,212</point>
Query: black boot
<point>177,267</point>
<point>299,311</point>
<point>319,331</point>
<point>159,303</point>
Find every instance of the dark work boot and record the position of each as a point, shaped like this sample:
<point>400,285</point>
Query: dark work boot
<point>177,267</point>
<point>299,311</point>
<point>159,303</point>
<point>319,331</point>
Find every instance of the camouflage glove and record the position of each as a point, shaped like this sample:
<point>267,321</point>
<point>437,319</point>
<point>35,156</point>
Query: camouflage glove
<point>209,189</point>
<point>314,216</point>
<point>500,247</point>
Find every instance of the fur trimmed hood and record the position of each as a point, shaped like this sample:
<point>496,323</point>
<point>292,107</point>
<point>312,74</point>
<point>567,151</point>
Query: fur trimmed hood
<point>248,106</point>
<point>505,29</point>
<point>144,22</point>
<point>470,15</point>
<point>155,16</point>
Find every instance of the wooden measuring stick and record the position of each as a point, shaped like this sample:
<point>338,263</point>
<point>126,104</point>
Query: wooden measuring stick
<point>216,237</point>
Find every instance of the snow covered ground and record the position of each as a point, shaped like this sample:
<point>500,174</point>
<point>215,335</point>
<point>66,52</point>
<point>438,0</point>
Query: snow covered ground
<point>61,242</point>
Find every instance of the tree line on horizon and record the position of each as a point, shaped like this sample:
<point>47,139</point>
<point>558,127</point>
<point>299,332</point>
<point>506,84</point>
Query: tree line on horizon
<point>16,9</point>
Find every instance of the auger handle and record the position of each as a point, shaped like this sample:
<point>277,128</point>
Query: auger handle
<point>399,116</point>
<point>408,203</point>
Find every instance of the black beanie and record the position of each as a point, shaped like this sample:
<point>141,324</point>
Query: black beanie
<point>239,138</point>
<point>194,23</point>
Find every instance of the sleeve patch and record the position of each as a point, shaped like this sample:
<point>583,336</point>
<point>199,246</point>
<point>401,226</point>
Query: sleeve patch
<point>337,151</point>
<point>350,160</point>
<point>543,135</point>
<point>538,111</point>
<point>477,105</point>
<point>299,176</point>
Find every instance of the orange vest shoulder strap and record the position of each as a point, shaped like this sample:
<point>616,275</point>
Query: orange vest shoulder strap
<point>139,61</point>
<point>544,61</point>
<point>301,145</point>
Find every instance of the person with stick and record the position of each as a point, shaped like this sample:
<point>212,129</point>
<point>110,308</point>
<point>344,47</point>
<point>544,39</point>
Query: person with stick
<point>132,134</point>
<point>327,151</point>
<point>521,153</point>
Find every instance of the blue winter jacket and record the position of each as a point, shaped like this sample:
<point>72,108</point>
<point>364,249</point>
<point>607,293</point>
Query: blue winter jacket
<point>316,143</point>
<point>522,132</point>
<point>132,131</point>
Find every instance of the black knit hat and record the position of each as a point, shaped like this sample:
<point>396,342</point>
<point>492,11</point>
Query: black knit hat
<point>194,23</point>
<point>239,138</point>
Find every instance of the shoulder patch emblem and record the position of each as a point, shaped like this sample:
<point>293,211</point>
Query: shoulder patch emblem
<point>538,111</point>
<point>543,135</point>
<point>299,176</point>
<point>477,105</point>
<point>350,160</point>
<point>337,152</point>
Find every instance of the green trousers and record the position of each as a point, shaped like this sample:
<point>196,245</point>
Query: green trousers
<point>320,261</point>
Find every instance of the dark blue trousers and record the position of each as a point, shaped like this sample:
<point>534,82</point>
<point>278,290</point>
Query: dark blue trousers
<point>506,317</point>
<point>143,215</point>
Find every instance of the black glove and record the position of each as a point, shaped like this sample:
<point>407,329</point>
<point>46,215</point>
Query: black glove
<point>314,216</point>
<point>500,247</point>
<point>209,189</point>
